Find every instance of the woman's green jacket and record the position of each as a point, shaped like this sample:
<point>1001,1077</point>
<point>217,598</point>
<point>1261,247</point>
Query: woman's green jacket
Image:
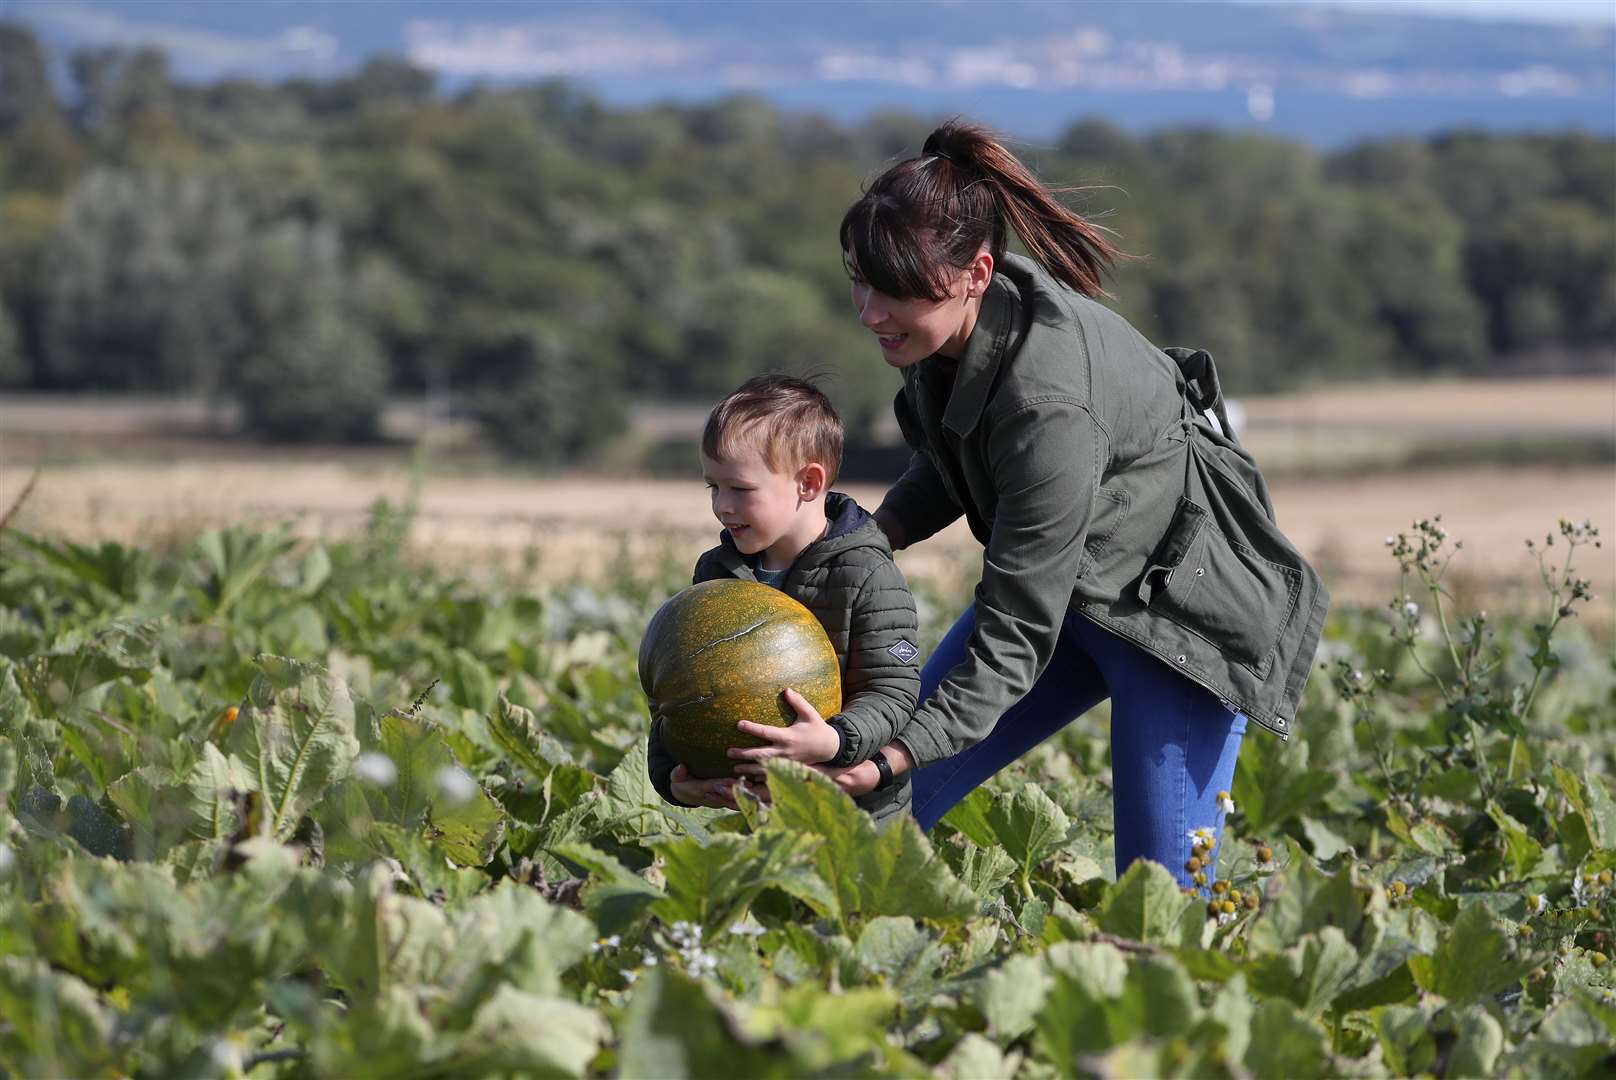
<point>1083,459</point>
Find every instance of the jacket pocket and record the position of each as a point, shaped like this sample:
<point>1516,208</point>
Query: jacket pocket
<point>1219,589</point>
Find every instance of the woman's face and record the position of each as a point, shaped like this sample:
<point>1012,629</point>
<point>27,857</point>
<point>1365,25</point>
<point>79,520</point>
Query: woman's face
<point>908,331</point>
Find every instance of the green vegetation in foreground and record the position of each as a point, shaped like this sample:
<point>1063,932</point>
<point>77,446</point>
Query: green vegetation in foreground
<point>297,810</point>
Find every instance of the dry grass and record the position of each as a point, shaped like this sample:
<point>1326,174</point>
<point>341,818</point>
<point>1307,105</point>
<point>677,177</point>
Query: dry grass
<point>149,472</point>
<point>577,527</point>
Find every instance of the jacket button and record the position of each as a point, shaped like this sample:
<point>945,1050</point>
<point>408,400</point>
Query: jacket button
<point>1182,658</point>
<point>1200,571</point>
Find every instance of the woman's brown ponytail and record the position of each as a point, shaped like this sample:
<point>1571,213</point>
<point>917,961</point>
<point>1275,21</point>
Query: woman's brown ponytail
<point>927,216</point>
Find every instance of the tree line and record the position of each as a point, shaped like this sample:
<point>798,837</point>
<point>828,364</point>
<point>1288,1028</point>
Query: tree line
<point>539,259</point>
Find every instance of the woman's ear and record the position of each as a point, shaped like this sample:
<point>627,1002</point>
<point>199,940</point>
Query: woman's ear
<point>811,481</point>
<point>979,274</point>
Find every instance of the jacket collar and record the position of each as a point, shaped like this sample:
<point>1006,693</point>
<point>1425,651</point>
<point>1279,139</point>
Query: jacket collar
<point>997,326</point>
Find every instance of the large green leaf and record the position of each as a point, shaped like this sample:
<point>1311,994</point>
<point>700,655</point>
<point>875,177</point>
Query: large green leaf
<point>231,561</point>
<point>1520,848</point>
<point>1273,783</point>
<point>903,954</point>
<point>295,736</point>
<point>1476,959</point>
<point>1010,995</point>
<point>674,1030</point>
<point>711,884</point>
<point>1029,826</point>
<point>431,792</point>
<point>1302,898</point>
<point>1592,802</point>
<point>1156,999</point>
<point>822,1029</point>
<point>617,898</point>
<point>519,735</point>
<point>1147,905</point>
<point>1478,1041</point>
<point>1309,974</point>
<point>511,936</point>
<point>529,1035</point>
<point>869,873</point>
<point>631,807</point>
<point>1285,1044</point>
<point>55,1024</point>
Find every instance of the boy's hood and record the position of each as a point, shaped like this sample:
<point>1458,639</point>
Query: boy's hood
<point>851,526</point>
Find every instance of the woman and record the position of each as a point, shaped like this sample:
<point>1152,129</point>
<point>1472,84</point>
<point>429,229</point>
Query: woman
<point>1130,547</point>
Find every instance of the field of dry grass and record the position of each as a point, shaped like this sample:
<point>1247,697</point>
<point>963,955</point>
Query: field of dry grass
<point>138,472</point>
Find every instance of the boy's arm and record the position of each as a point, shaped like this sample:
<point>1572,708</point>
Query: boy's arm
<point>883,665</point>
<point>660,764</point>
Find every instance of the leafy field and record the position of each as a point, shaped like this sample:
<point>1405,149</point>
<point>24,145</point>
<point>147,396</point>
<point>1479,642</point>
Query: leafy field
<point>287,808</point>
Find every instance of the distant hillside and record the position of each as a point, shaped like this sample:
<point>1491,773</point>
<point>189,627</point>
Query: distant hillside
<point>1325,75</point>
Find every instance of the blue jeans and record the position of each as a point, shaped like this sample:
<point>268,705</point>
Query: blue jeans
<point>1173,743</point>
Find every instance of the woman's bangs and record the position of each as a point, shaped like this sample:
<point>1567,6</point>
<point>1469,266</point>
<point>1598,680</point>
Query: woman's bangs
<point>893,259</point>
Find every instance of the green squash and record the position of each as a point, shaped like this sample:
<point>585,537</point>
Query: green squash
<point>724,651</point>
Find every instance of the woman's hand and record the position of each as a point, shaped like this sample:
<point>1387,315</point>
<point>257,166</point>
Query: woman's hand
<point>808,739</point>
<point>692,791</point>
<point>856,780</point>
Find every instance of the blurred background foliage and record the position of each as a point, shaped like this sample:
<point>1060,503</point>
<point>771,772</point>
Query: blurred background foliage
<point>539,260</point>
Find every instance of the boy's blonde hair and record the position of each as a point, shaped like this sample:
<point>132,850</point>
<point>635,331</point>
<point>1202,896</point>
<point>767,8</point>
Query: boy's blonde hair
<point>787,419</point>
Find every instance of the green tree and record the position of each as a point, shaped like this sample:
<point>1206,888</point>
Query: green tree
<point>25,89</point>
<point>539,397</point>
<point>312,370</point>
<point>139,282</point>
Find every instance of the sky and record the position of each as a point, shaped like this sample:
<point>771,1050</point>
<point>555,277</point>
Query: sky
<point>1602,12</point>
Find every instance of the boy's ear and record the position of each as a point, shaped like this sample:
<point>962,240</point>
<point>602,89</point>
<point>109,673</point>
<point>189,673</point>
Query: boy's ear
<point>811,481</point>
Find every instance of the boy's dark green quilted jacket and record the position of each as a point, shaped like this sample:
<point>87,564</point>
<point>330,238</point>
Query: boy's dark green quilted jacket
<point>848,580</point>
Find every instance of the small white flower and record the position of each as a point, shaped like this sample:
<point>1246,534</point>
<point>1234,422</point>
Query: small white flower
<point>1203,836</point>
<point>1391,540</point>
<point>226,1055</point>
<point>1224,918</point>
<point>456,785</point>
<point>629,976</point>
<point>375,768</point>
<point>648,959</point>
<point>1536,904</point>
<point>748,927</point>
<point>1226,804</point>
<point>1411,610</point>
<point>606,943</point>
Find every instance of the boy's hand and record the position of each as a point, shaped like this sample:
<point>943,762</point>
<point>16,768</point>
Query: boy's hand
<point>691,791</point>
<point>808,739</point>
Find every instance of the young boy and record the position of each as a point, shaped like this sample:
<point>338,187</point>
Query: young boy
<point>769,454</point>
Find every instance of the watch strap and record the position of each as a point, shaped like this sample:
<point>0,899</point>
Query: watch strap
<point>884,767</point>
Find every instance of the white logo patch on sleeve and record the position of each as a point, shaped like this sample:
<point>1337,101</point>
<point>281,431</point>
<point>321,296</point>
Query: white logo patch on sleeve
<point>904,651</point>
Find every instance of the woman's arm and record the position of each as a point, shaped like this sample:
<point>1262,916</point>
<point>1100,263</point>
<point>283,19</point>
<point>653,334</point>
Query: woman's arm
<point>917,505</point>
<point>1046,458</point>
<point>861,779</point>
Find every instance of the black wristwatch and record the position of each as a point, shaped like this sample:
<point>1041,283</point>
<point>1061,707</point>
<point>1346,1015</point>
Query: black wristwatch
<point>884,767</point>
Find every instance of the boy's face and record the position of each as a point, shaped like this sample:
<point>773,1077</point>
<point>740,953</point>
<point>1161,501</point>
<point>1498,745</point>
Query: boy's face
<point>758,506</point>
